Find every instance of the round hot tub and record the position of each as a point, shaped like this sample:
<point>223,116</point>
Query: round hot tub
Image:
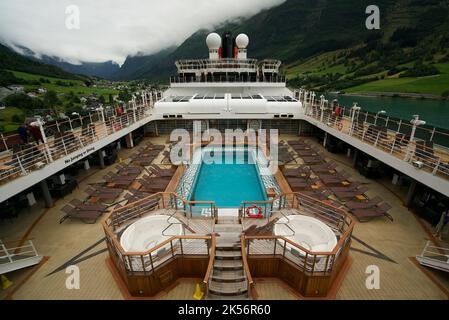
<point>146,233</point>
<point>308,232</point>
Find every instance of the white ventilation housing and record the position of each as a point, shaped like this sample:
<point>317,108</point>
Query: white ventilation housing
<point>213,42</point>
<point>242,41</point>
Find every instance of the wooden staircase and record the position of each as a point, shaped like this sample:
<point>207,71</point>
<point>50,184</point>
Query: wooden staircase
<point>228,278</point>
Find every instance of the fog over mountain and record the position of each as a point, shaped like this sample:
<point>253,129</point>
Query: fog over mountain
<point>111,30</point>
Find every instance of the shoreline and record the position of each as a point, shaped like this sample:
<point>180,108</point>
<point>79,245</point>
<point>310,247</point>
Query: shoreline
<point>376,94</point>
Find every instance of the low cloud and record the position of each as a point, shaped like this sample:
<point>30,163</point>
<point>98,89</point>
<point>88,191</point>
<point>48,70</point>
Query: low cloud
<point>114,29</point>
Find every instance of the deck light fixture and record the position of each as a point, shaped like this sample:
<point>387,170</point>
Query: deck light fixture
<point>377,115</point>
<point>415,122</point>
<point>355,109</point>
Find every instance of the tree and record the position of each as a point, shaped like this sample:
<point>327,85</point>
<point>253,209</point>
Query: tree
<point>23,102</point>
<point>16,118</point>
<point>51,99</point>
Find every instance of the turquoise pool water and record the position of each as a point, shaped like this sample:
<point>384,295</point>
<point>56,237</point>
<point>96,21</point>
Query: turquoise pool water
<point>229,184</point>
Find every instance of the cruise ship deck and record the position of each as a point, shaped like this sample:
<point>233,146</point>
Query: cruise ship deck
<point>392,246</point>
<point>325,208</point>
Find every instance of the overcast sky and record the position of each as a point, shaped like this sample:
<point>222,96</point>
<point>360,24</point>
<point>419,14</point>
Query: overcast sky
<point>113,29</point>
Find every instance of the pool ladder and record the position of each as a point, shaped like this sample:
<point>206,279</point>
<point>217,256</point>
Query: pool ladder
<point>171,224</point>
<point>286,224</point>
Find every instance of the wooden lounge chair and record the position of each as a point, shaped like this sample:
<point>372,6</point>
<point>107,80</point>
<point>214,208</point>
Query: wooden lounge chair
<point>159,172</point>
<point>87,216</point>
<point>364,215</point>
<point>126,170</point>
<point>317,194</point>
<point>348,195</point>
<point>354,205</point>
<point>295,142</point>
<point>324,168</point>
<point>296,172</point>
<point>312,160</point>
<point>307,153</point>
<point>85,206</point>
<point>351,187</point>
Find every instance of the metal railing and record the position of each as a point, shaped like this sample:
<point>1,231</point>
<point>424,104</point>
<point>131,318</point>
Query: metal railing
<point>336,218</point>
<point>210,266</point>
<point>16,252</point>
<point>311,263</point>
<point>434,257</point>
<point>60,139</point>
<point>420,146</point>
<point>146,262</point>
<point>228,79</point>
<point>246,270</point>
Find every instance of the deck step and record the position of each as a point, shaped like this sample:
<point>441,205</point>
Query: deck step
<point>228,288</point>
<point>231,246</point>
<point>228,254</point>
<point>228,265</point>
<point>228,275</point>
<point>228,228</point>
<point>211,296</point>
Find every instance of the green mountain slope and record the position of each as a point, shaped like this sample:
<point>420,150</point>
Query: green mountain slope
<point>325,44</point>
<point>10,60</point>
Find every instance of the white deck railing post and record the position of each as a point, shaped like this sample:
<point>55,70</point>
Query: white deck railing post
<point>33,247</point>
<point>4,142</point>
<point>44,139</point>
<point>6,252</point>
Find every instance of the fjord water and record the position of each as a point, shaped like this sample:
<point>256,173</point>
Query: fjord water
<point>434,112</point>
<point>229,183</point>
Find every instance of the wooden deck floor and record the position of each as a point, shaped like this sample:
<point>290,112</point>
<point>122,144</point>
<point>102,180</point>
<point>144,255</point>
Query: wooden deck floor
<point>382,243</point>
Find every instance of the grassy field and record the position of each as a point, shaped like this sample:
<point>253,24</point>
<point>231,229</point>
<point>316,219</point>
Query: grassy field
<point>78,85</point>
<point>6,118</point>
<point>434,85</point>
<point>325,64</point>
<point>316,65</point>
<point>78,88</point>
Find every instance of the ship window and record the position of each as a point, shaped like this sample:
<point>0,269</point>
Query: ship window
<point>219,96</point>
<point>256,96</point>
<point>181,99</point>
<point>271,99</point>
<point>199,97</point>
<point>234,96</point>
<point>246,97</point>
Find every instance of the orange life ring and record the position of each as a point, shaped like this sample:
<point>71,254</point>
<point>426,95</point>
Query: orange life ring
<point>340,126</point>
<point>258,215</point>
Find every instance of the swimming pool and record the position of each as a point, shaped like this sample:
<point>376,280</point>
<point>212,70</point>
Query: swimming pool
<point>229,182</point>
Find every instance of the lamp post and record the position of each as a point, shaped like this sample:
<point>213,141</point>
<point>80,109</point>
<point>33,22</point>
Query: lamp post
<point>415,122</point>
<point>377,115</point>
<point>143,99</point>
<point>100,110</point>
<point>322,108</point>
<point>355,108</point>
<point>40,124</point>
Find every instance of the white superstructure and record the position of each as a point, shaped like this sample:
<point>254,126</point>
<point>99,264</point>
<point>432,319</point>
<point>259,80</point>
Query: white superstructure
<point>228,85</point>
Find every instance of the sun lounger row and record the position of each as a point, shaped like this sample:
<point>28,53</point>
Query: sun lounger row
<point>88,213</point>
<point>329,181</point>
